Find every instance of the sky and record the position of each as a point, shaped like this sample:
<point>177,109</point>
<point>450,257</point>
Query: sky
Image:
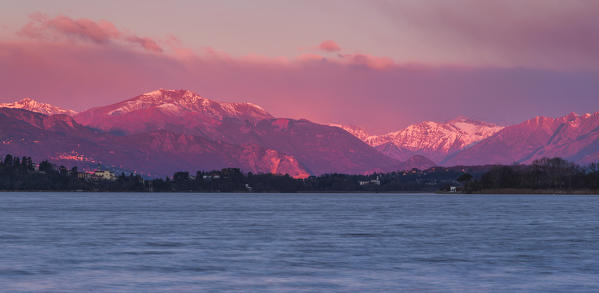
<point>380,65</point>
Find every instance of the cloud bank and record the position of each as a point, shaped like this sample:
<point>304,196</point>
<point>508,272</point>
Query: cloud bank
<point>329,46</point>
<point>79,63</point>
<point>43,27</point>
<point>550,34</point>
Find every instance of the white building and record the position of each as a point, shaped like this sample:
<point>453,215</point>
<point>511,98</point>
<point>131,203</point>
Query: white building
<point>106,175</point>
<point>376,181</point>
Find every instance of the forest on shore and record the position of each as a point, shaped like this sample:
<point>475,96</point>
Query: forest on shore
<point>547,175</point>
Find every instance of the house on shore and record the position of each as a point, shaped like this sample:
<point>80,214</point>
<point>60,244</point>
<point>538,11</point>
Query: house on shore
<point>97,175</point>
<point>376,181</point>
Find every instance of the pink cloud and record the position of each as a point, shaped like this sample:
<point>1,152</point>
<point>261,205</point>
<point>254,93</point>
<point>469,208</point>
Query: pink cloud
<point>31,30</point>
<point>101,31</point>
<point>146,43</point>
<point>82,28</point>
<point>361,89</point>
<point>42,27</point>
<point>176,48</point>
<point>357,89</point>
<point>329,46</point>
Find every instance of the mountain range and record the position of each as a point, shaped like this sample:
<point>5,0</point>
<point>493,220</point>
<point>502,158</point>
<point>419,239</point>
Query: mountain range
<point>464,141</point>
<point>572,137</point>
<point>430,139</point>
<point>163,131</point>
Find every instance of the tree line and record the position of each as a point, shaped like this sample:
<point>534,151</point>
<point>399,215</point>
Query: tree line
<point>21,174</point>
<point>546,174</point>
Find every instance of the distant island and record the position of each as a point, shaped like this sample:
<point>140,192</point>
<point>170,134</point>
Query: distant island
<point>547,175</point>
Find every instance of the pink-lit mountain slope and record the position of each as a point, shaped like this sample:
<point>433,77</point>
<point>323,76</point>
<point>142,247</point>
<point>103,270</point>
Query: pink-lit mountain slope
<point>318,148</point>
<point>168,110</point>
<point>38,107</point>
<point>572,137</point>
<point>159,153</point>
<point>433,140</point>
<point>353,130</point>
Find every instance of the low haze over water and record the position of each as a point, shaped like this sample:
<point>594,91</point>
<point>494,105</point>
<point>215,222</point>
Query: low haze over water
<point>110,242</point>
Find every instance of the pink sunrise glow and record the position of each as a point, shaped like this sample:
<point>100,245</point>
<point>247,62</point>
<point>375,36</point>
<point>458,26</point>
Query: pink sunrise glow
<point>329,46</point>
<point>307,145</point>
<point>508,67</point>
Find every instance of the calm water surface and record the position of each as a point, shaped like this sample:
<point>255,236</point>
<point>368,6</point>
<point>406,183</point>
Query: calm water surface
<point>128,242</point>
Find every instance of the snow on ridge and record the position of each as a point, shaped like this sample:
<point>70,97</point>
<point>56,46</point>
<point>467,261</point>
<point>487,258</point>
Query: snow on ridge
<point>175,102</point>
<point>38,107</point>
<point>442,137</point>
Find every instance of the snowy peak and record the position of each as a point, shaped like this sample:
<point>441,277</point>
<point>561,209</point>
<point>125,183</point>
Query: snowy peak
<point>175,110</point>
<point>472,131</point>
<point>179,102</point>
<point>38,107</point>
<point>454,134</point>
<point>432,139</point>
<point>465,123</point>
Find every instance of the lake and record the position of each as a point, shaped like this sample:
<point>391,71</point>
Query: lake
<point>135,242</point>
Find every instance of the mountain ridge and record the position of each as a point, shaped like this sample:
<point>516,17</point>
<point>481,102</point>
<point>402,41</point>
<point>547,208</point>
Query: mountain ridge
<point>160,108</point>
<point>223,134</point>
<point>573,137</point>
<point>35,106</point>
<point>160,153</point>
<point>181,123</point>
<point>434,140</point>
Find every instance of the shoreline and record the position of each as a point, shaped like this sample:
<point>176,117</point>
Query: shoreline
<point>507,191</point>
<point>538,191</point>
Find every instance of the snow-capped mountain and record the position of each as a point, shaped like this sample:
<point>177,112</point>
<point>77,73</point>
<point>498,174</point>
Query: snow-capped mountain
<point>296,147</point>
<point>178,102</point>
<point>168,109</point>
<point>318,148</point>
<point>38,107</point>
<point>60,139</point>
<point>572,137</point>
<point>434,140</point>
<point>169,130</point>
